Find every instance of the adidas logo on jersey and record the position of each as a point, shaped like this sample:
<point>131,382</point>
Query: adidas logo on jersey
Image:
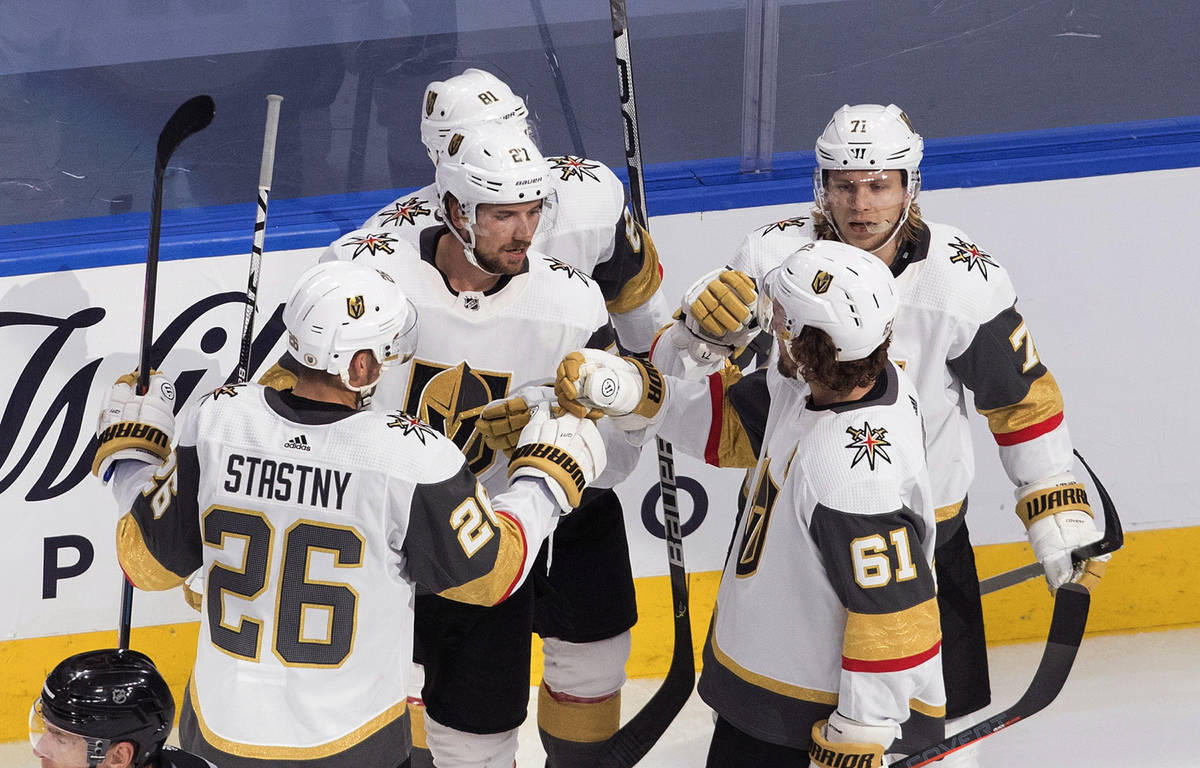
<point>299,442</point>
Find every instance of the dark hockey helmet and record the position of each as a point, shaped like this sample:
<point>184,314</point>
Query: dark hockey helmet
<point>108,696</point>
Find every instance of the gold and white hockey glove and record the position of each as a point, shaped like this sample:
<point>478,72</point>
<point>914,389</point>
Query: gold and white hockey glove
<point>719,309</point>
<point>565,451</point>
<point>840,741</point>
<point>629,390</point>
<point>501,421</point>
<point>133,426</point>
<point>1058,519</point>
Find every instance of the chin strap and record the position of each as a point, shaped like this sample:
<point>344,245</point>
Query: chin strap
<point>366,391</point>
<point>469,247</point>
<point>895,230</point>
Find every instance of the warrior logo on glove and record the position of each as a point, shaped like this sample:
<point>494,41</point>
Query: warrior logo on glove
<point>133,426</point>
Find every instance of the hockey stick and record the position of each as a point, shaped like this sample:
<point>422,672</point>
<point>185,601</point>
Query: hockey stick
<point>193,115</point>
<point>265,172</point>
<point>560,84</point>
<point>1114,539</point>
<point>1071,604</point>
<point>631,742</point>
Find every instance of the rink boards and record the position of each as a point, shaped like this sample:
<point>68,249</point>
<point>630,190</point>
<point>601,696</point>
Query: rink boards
<point>1104,278</point>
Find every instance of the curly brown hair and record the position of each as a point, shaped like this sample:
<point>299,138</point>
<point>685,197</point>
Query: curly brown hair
<point>815,357</point>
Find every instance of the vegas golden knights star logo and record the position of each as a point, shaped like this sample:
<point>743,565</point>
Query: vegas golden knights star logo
<point>868,443</point>
<point>450,398</point>
<point>355,306</point>
<point>430,99</point>
<point>821,282</point>
<point>455,142</point>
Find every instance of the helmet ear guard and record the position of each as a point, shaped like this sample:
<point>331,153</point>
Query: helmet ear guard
<point>842,290</point>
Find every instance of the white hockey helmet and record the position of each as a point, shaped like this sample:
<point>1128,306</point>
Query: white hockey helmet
<point>869,137</point>
<point>337,308</point>
<point>492,164</point>
<point>840,289</point>
<point>468,99</point>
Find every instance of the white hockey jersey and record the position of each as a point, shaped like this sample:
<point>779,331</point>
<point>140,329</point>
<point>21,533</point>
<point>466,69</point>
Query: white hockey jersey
<point>827,598</point>
<point>312,523</point>
<point>475,347</point>
<point>957,328</point>
<point>593,231</point>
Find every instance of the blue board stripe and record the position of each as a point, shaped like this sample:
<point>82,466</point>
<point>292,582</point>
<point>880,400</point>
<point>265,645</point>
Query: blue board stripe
<point>681,187</point>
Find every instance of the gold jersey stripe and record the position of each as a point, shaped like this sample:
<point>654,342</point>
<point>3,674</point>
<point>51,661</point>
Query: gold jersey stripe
<point>942,514</point>
<point>143,570</point>
<point>897,635</point>
<point>770,684</point>
<point>641,286</point>
<point>416,711</point>
<point>314,752</point>
<point>929,710</point>
<point>493,586</point>
<point>734,448</point>
<point>578,721</point>
<point>1041,402</point>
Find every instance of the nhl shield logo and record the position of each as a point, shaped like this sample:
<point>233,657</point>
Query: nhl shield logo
<point>455,142</point>
<point>355,306</point>
<point>821,281</point>
<point>430,100</point>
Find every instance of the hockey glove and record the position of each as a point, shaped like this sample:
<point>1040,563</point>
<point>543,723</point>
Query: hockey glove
<point>679,352</point>
<point>1058,519</point>
<point>840,741</point>
<point>566,451</point>
<point>501,421</point>
<point>719,310</point>
<point>629,390</point>
<point>133,426</point>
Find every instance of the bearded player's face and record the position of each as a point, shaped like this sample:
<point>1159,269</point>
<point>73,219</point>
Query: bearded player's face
<point>503,233</point>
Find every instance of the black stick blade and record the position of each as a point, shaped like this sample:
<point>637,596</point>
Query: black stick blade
<point>193,115</point>
<point>1071,605</point>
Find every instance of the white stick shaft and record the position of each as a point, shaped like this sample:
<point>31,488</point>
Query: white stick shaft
<point>267,169</point>
<point>265,173</point>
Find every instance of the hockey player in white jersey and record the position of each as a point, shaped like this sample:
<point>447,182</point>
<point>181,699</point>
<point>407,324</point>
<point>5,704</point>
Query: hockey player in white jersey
<point>957,329</point>
<point>107,707</point>
<point>504,314</point>
<point>313,519</point>
<point>593,231</point>
<point>825,639</point>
